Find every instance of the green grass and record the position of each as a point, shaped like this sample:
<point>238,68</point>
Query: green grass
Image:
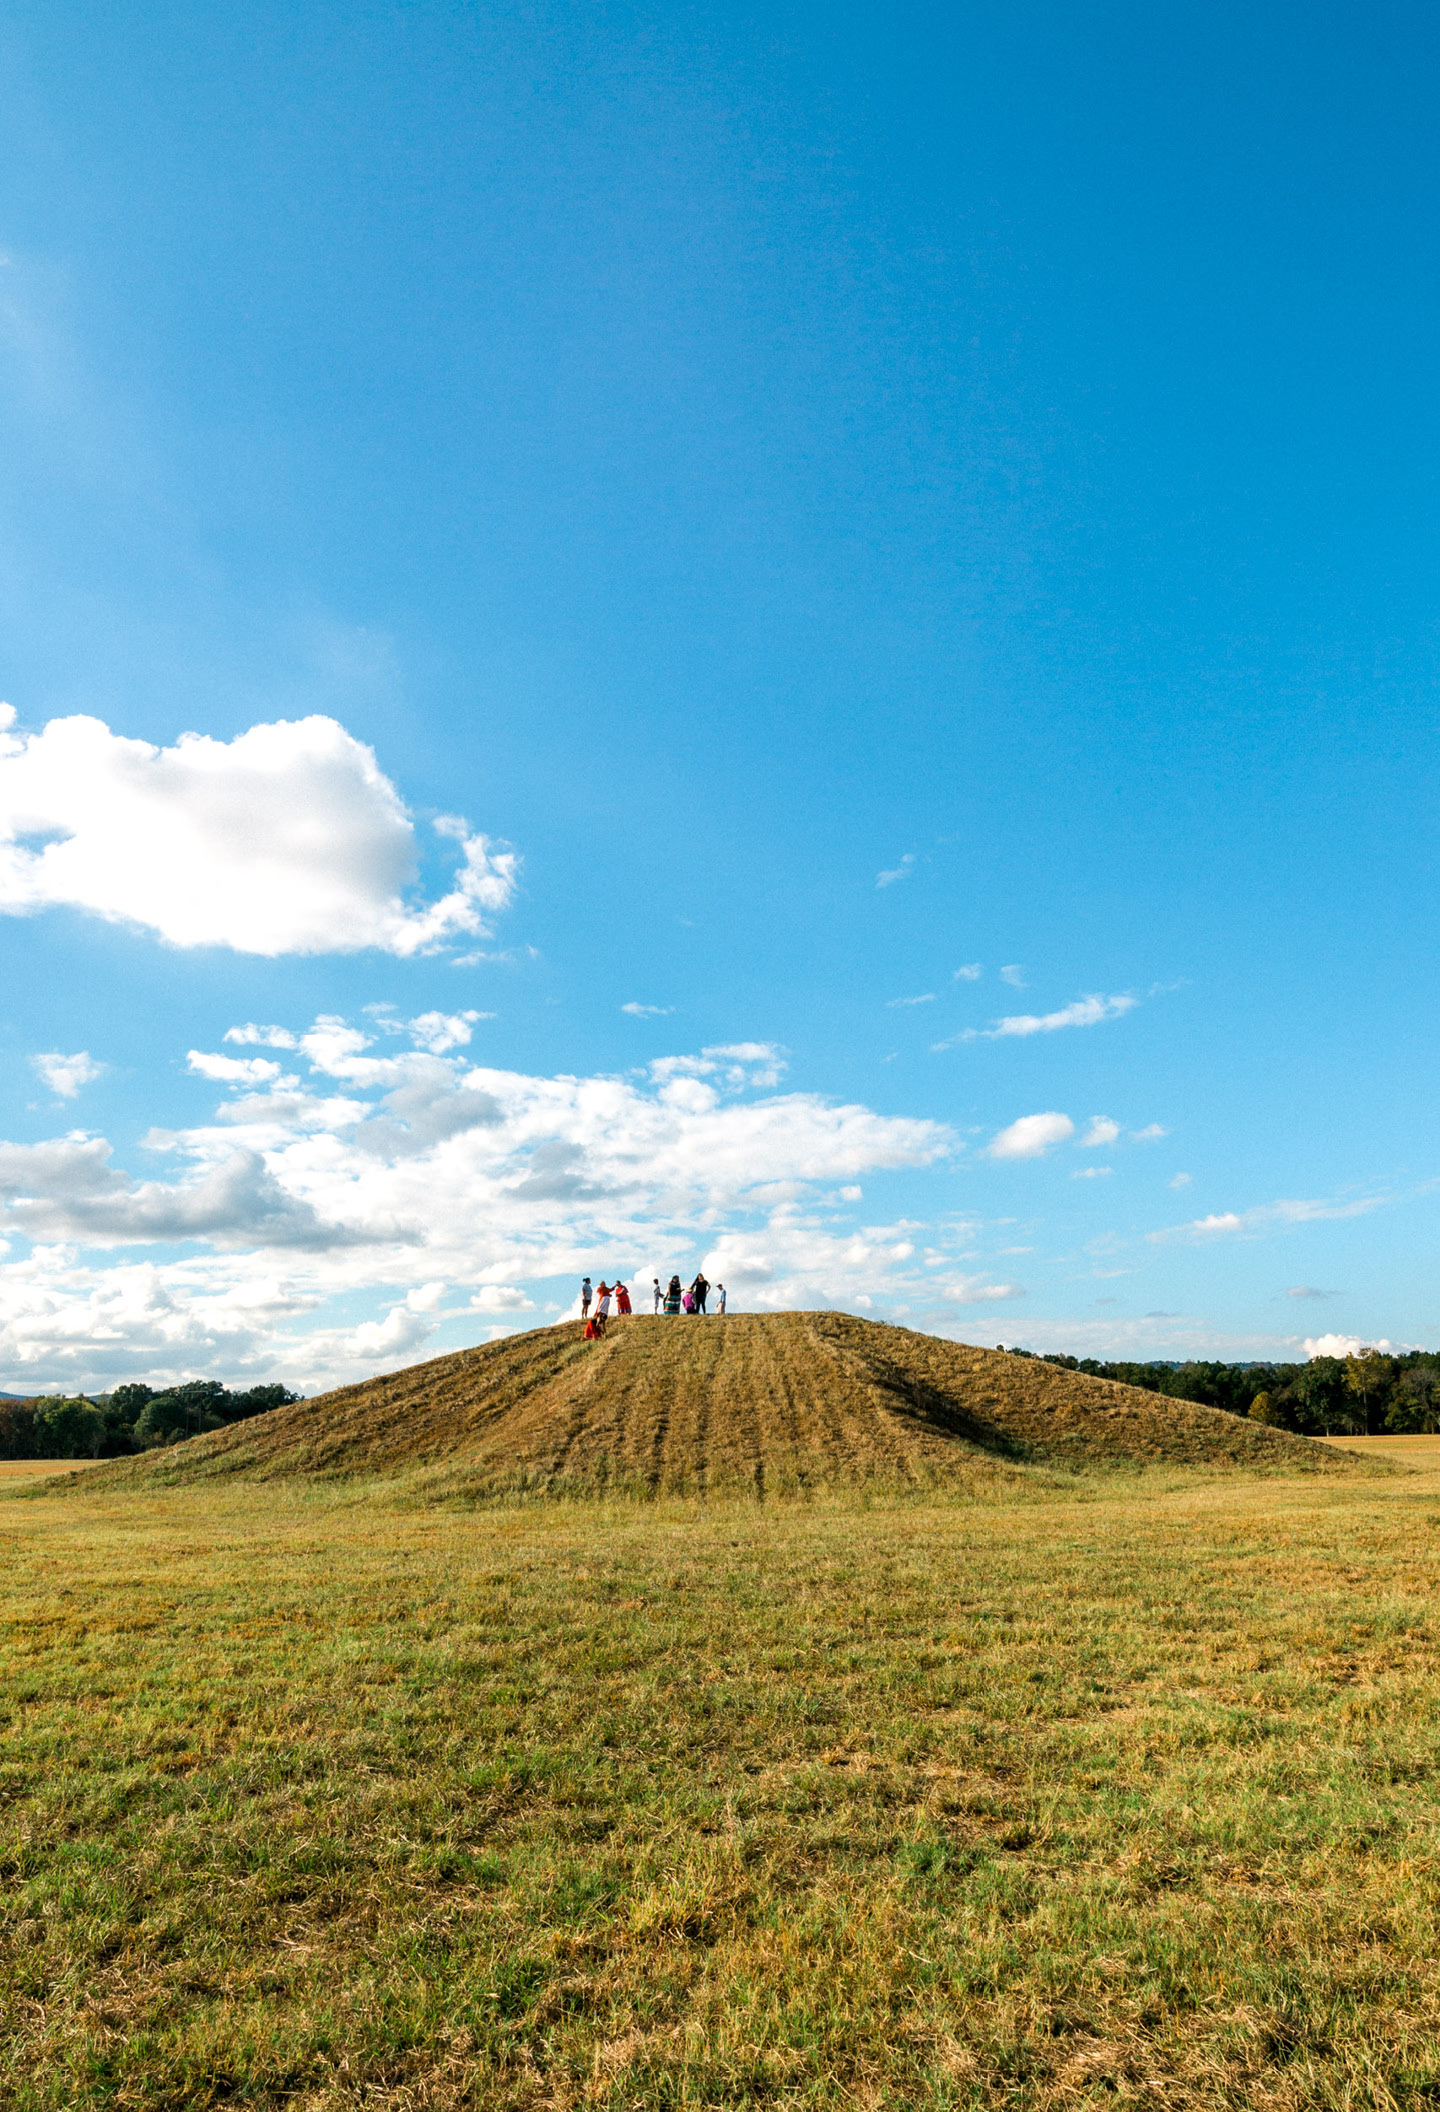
<point>1126,1795</point>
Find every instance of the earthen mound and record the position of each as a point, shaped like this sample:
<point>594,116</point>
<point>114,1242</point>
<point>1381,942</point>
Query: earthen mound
<point>772,1403</point>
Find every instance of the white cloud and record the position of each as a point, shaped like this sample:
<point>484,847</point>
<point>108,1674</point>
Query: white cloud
<point>1342,1346</point>
<point>65,1075</point>
<point>1085,1012</point>
<point>402,1331</point>
<point>67,1189</point>
<point>1151,1134</point>
<point>1180,1180</point>
<point>1307,1290</point>
<point>1030,1136</point>
<point>902,871</point>
<point>500,1298</point>
<point>251,1036</point>
<point>638,1011</point>
<point>736,1066</point>
<point>440,1032</point>
<point>1092,1173</point>
<point>1102,1131</point>
<point>1266,1217</point>
<point>974,1290</point>
<point>927,999</point>
<point>970,973</point>
<point>288,839</point>
<point>233,1070</point>
<point>427,1171</point>
<point>1014,975</point>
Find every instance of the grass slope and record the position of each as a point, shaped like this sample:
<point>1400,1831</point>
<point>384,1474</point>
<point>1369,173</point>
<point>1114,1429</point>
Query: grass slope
<point>770,1403</point>
<point>1039,1801</point>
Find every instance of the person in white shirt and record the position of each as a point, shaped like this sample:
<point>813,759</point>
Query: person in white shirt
<point>659,1295</point>
<point>719,1298</point>
<point>602,1307</point>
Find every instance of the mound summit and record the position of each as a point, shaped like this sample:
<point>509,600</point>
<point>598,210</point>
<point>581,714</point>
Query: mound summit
<point>771,1403</point>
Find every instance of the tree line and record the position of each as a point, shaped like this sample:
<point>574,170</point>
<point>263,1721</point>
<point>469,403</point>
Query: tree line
<point>133,1418</point>
<point>1368,1394</point>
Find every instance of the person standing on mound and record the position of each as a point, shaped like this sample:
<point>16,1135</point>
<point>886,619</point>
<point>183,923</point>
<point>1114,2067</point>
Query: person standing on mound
<point>585,1299</point>
<point>699,1291</point>
<point>602,1307</point>
<point>659,1295</point>
<point>622,1298</point>
<point>672,1295</point>
<point>720,1301</point>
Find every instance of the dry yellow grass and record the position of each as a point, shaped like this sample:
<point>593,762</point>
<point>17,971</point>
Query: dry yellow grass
<point>772,1404</point>
<point>1408,1448</point>
<point>1050,1794</point>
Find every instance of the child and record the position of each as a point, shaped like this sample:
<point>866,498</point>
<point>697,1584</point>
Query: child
<point>720,1299</point>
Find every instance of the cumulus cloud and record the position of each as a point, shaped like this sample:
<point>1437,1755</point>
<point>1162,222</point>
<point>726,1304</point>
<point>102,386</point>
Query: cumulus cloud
<point>1101,1131</point>
<point>290,839</point>
<point>1014,975</point>
<point>902,871</point>
<point>439,1032</point>
<point>970,973</point>
<point>404,1328</point>
<point>251,1036</point>
<point>500,1298</point>
<point>1342,1346</point>
<point>1030,1137</point>
<point>233,1070</point>
<point>439,1189</point>
<point>639,1011</point>
<point>1180,1180</point>
<point>69,1190</point>
<point>66,1075</point>
<point>1092,1173</point>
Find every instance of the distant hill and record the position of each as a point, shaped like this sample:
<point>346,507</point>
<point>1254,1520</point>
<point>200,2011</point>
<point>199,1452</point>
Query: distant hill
<point>771,1403</point>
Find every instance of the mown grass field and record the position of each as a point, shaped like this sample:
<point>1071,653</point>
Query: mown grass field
<point>1120,1793</point>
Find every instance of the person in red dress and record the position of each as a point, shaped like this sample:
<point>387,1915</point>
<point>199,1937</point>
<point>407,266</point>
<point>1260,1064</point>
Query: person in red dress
<point>622,1298</point>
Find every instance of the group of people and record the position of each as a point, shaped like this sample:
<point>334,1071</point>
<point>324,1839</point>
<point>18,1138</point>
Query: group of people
<point>674,1300</point>
<point>596,1322</point>
<point>671,1300</point>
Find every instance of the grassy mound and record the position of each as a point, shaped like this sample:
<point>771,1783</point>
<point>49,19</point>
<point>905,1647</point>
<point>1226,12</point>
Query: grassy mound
<point>774,1403</point>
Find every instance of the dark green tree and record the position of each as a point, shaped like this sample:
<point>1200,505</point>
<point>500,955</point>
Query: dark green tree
<point>70,1429</point>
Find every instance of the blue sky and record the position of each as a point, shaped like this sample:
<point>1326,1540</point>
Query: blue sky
<point>860,528</point>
